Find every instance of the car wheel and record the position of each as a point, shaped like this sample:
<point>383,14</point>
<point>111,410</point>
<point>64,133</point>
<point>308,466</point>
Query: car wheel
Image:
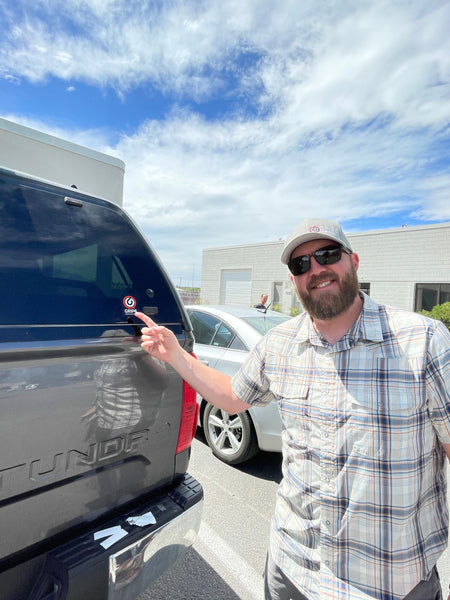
<point>232,438</point>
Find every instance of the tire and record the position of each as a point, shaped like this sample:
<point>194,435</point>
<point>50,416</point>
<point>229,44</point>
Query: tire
<point>232,438</point>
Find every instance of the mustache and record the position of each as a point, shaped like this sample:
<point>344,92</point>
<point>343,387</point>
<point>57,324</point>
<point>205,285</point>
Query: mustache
<point>318,279</point>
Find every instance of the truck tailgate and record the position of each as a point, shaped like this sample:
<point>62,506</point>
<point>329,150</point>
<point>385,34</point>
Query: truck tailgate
<point>85,428</point>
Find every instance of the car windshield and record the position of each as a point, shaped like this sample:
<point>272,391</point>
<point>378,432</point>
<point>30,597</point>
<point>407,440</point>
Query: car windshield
<point>263,322</point>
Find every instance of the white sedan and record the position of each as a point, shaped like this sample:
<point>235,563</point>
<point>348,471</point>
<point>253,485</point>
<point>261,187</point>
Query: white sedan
<point>223,337</point>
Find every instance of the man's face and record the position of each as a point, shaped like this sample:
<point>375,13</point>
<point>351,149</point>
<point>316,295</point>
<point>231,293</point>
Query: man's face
<point>326,291</point>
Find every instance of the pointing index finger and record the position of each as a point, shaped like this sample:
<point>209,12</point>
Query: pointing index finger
<point>145,318</point>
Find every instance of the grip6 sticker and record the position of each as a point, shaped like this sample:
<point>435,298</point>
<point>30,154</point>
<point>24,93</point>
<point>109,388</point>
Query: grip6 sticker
<point>129,303</point>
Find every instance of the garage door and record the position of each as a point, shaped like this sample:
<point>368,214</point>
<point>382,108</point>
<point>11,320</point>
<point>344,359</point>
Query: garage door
<point>236,286</point>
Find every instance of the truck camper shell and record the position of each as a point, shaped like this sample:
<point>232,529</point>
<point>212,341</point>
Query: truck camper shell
<point>60,161</point>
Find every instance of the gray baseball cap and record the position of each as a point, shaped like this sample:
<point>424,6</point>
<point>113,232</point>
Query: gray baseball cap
<point>314,229</point>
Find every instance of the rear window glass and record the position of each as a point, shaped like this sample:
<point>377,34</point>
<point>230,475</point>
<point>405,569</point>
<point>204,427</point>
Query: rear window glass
<point>265,322</point>
<point>66,264</point>
<point>223,336</point>
<point>205,326</point>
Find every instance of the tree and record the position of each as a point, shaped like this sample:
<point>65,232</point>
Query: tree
<point>441,312</point>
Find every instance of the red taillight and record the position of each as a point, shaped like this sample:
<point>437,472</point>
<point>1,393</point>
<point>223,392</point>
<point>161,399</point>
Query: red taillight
<point>189,416</point>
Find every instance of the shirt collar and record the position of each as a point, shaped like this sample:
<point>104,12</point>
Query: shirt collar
<point>371,328</point>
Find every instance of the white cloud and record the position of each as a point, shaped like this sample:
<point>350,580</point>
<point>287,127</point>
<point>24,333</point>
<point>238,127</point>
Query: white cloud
<point>325,64</point>
<point>436,195</point>
<point>353,97</point>
<point>194,184</point>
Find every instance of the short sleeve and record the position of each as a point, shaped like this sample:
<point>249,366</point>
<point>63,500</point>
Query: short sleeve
<point>250,384</point>
<point>438,382</point>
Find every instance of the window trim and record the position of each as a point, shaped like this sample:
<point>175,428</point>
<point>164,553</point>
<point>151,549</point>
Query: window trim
<point>421,286</point>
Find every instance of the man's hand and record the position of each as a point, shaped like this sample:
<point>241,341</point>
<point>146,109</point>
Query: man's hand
<point>447,450</point>
<point>158,341</point>
<point>212,385</point>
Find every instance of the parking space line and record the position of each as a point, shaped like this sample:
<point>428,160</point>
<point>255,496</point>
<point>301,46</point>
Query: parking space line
<point>233,562</point>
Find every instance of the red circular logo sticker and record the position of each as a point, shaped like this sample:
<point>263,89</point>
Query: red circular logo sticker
<point>129,302</point>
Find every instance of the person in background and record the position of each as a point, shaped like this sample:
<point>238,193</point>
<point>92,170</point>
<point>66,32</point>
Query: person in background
<point>363,391</point>
<point>262,302</point>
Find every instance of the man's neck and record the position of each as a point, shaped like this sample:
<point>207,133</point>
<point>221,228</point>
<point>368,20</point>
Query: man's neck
<point>334,329</point>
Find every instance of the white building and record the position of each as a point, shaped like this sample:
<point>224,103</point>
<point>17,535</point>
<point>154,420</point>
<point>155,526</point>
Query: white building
<point>407,267</point>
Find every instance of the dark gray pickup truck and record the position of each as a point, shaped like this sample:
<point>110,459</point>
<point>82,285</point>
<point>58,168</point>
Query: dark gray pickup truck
<point>95,498</point>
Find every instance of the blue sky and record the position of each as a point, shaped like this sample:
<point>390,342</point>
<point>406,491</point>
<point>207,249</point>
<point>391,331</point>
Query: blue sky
<point>238,119</point>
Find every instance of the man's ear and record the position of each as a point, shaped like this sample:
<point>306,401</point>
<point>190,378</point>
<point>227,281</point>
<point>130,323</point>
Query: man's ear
<point>355,259</point>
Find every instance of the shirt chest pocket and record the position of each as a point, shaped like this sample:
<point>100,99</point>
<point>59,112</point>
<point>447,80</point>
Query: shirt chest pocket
<point>294,403</point>
<point>387,407</point>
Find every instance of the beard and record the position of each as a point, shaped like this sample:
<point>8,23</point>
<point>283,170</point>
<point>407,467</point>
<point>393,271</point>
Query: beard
<point>331,304</point>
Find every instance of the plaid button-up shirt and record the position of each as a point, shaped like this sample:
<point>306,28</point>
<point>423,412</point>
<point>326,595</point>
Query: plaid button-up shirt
<point>361,512</point>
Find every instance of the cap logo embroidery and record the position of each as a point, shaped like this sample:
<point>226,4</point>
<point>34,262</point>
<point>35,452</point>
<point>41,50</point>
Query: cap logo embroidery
<point>314,229</point>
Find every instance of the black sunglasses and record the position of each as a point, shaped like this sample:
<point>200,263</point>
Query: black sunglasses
<point>328,255</point>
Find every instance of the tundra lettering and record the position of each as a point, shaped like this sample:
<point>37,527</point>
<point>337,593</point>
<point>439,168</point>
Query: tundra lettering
<point>71,460</point>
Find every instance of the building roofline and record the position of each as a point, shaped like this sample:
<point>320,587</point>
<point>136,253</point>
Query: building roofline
<point>392,230</point>
<point>252,245</point>
<point>404,228</point>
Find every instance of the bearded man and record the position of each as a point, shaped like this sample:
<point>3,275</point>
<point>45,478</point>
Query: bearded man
<point>364,397</point>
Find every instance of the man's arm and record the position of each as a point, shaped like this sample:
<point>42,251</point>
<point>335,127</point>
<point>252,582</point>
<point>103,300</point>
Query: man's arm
<point>447,450</point>
<point>213,386</point>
